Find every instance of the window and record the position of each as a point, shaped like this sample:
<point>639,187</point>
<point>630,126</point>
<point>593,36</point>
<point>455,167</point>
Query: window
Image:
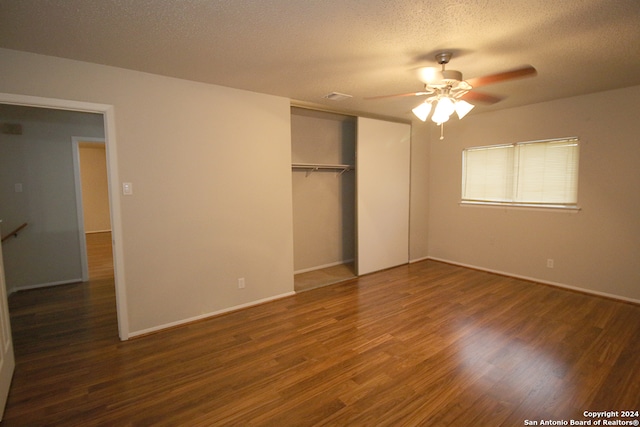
<point>536,173</point>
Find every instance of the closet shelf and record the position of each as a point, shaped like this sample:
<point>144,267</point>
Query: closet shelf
<point>312,167</point>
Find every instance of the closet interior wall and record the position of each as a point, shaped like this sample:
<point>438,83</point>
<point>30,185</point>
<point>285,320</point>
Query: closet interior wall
<point>323,200</point>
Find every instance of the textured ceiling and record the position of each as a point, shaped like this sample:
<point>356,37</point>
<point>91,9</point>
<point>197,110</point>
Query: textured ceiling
<point>305,49</point>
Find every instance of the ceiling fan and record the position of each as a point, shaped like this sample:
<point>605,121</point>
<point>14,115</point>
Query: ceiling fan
<point>450,93</point>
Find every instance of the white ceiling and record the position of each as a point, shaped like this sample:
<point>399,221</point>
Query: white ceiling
<point>304,49</point>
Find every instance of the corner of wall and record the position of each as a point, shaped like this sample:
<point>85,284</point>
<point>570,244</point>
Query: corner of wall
<point>419,196</point>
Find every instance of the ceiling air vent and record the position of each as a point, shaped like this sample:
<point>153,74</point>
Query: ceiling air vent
<point>337,96</point>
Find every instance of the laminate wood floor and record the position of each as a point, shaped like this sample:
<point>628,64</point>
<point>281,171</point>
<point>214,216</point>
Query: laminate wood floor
<point>323,277</point>
<point>99,255</point>
<point>426,344</point>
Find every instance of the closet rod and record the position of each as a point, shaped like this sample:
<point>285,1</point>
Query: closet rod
<point>311,167</point>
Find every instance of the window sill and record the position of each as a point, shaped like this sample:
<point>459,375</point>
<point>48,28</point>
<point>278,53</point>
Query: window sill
<point>524,206</point>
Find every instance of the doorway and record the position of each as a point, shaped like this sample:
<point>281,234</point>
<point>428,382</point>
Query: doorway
<point>92,204</point>
<point>324,197</point>
<point>107,117</point>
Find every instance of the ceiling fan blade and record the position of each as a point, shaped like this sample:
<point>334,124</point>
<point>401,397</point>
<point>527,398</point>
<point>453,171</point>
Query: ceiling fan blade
<point>398,95</point>
<point>527,71</point>
<point>481,97</point>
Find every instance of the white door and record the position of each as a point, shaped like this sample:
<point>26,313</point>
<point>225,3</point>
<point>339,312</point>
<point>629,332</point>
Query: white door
<point>7,362</point>
<point>383,178</point>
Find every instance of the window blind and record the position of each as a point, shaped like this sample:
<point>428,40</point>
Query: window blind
<point>529,173</point>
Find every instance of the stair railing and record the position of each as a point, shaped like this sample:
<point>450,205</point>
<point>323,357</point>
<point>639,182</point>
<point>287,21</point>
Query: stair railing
<point>14,233</point>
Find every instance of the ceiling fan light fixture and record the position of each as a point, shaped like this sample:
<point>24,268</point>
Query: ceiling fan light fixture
<point>439,119</point>
<point>422,111</point>
<point>446,89</point>
<point>445,107</point>
<point>463,108</point>
<point>441,113</point>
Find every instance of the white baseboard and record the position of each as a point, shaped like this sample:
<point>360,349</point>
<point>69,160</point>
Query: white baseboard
<point>411,261</point>
<point>206,315</point>
<point>97,231</point>
<point>545,282</point>
<point>320,267</point>
<point>45,285</point>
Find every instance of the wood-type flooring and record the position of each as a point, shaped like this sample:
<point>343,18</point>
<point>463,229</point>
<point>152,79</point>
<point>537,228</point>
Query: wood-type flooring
<point>426,344</point>
<point>99,255</point>
<point>323,277</point>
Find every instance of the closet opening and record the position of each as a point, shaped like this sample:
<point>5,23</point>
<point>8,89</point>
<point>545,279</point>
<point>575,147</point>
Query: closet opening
<point>323,154</point>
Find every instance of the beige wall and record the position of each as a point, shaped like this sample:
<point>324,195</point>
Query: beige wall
<point>95,190</point>
<point>211,173</point>
<point>596,249</point>
<point>419,197</point>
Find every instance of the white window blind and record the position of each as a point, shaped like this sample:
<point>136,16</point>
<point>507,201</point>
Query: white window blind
<point>526,173</point>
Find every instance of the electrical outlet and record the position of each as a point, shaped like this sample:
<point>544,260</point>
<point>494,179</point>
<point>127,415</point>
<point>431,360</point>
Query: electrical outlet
<point>241,283</point>
<point>549,263</point>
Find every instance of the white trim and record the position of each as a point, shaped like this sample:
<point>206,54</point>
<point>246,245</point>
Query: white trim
<point>208,315</point>
<point>412,261</point>
<point>45,285</point>
<point>545,282</point>
<point>522,206</point>
<point>77,184</point>
<point>320,267</point>
<point>56,103</point>
<point>97,231</point>
<point>112,170</point>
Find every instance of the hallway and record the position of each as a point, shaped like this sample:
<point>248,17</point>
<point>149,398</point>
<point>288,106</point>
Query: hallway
<point>99,255</point>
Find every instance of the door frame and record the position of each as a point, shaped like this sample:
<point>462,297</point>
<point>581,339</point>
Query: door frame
<point>108,114</point>
<point>7,356</point>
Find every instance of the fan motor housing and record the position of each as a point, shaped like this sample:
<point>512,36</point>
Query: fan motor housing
<point>451,76</point>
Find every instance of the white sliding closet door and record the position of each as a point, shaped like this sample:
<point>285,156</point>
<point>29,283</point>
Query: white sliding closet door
<point>382,167</point>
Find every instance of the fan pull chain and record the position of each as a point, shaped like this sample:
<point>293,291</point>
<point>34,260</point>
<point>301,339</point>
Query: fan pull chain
<point>441,131</point>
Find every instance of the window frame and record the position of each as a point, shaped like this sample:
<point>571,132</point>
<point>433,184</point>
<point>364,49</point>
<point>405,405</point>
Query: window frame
<point>512,181</point>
